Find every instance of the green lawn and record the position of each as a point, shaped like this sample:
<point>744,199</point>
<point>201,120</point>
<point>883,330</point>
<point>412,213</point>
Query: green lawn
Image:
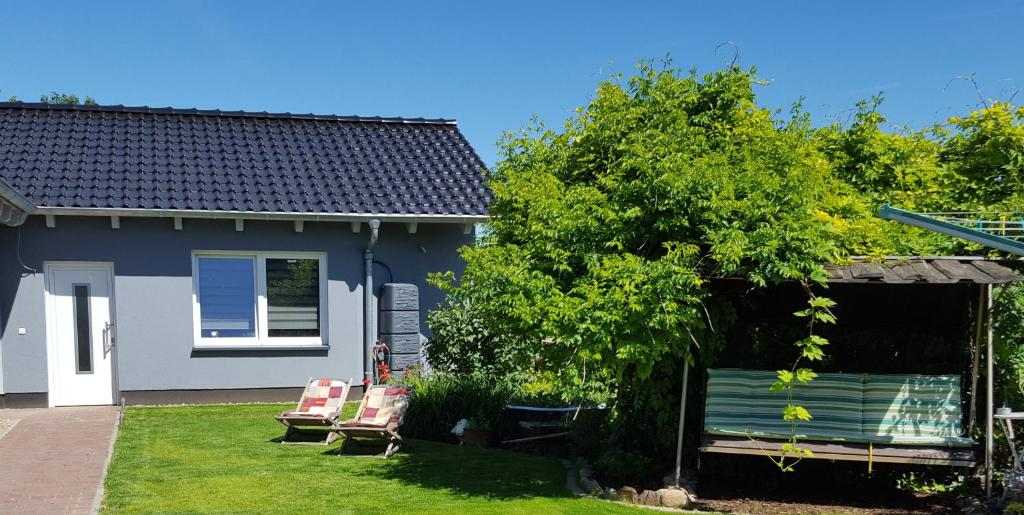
<point>227,459</point>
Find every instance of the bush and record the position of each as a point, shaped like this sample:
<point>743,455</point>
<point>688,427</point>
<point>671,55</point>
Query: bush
<point>441,400</point>
<point>467,341</point>
<point>619,467</point>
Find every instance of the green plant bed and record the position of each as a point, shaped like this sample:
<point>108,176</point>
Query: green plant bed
<point>226,458</point>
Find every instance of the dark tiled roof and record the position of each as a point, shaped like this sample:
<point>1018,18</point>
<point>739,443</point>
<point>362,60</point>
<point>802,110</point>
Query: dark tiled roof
<point>901,270</point>
<point>119,157</point>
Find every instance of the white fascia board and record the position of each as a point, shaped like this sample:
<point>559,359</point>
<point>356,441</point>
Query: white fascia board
<point>15,198</point>
<point>14,207</point>
<point>250,215</point>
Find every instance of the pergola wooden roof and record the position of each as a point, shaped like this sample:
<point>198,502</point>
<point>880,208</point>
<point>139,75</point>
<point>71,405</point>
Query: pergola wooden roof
<point>925,269</point>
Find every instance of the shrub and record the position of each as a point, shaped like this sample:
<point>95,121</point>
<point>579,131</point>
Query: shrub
<point>441,400</point>
<point>467,340</point>
<point>619,467</point>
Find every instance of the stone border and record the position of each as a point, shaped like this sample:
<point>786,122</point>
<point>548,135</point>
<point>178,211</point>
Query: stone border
<point>97,502</point>
<point>579,481</point>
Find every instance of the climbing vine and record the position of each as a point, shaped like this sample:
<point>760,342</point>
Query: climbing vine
<point>819,310</point>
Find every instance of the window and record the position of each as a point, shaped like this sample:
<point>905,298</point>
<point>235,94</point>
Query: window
<point>293,297</point>
<point>83,338</point>
<point>259,299</point>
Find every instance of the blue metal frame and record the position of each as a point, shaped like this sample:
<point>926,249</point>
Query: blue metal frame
<point>957,231</point>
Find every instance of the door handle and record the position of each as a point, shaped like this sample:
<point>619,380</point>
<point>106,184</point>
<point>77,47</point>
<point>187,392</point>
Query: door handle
<point>108,338</point>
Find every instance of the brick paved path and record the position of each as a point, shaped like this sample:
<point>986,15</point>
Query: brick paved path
<point>53,460</point>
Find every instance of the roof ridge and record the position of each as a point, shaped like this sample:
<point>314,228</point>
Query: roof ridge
<point>227,114</point>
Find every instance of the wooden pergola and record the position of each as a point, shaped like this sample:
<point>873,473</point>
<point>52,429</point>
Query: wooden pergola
<point>977,273</point>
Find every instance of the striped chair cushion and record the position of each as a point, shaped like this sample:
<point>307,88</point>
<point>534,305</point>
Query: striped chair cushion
<point>896,409</point>
<point>322,397</point>
<point>913,409</point>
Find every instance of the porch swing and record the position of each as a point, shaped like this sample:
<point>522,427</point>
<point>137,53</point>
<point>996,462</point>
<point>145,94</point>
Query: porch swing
<point>914,419</point>
<point>873,418</point>
<point>883,418</point>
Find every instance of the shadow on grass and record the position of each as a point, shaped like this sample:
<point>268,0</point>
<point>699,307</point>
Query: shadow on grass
<point>464,471</point>
<point>304,437</point>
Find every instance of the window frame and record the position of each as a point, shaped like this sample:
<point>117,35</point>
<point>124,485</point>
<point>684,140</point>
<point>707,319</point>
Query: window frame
<point>262,340</point>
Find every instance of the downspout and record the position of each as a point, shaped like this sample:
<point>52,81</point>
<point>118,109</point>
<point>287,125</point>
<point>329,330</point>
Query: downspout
<point>369,334</point>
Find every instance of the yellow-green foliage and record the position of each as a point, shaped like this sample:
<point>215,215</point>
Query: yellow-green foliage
<point>606,232</point>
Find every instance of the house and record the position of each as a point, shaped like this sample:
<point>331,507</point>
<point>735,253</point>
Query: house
<point>162,255</point>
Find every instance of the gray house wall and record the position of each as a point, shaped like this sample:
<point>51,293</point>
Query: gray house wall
<point>8,282</point>
<point>153,296</point>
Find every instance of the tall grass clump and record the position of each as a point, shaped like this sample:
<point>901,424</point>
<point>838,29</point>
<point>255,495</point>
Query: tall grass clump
<point>442,399</point>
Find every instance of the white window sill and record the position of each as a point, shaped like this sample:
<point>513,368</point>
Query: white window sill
<point>257,347</point>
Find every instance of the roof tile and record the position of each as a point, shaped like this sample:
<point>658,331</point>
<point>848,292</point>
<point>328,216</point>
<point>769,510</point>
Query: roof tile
<point>146,158</point>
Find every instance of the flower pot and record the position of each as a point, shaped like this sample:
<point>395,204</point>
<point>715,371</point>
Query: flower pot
<point>477,437</point>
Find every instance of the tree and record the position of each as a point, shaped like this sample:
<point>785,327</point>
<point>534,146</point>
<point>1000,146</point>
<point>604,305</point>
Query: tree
<point>59,98</point>
<point>65,98</point>
<point>605,234</point>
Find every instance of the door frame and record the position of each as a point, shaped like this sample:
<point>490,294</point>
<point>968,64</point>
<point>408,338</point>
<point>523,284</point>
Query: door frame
<point>51,339</point>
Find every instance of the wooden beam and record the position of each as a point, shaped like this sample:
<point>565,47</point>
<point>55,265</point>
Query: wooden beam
<point>239,224</point>
<point>115,222</point>
<point>989,394</point>
<point>882,453</point>
<point>177,223</point>
<point>467,229</point>
<point>356,226</point>
<point>51,221</point>
<point>299,225</point>
<point>412,227</point>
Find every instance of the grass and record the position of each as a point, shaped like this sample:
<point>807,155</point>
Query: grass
<point>228,459</point>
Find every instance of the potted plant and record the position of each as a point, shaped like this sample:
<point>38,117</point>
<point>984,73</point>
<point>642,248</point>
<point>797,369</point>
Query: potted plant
<point>478,431</point>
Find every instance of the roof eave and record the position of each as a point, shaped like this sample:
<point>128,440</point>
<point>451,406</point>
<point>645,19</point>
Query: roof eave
<point>258,215</point>
<point>14,207</point>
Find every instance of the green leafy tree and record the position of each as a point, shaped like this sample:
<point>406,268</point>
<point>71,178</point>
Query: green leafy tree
<point>65,98</point>
<point>605,234</point>
<point>986,149</point>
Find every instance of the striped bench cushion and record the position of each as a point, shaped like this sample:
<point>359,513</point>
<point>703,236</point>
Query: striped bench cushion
<point>913,409</point>
<point>921,410</point>
<point>740,402</point>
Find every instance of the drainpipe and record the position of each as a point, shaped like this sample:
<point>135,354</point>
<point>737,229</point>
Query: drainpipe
<point>369,335</point>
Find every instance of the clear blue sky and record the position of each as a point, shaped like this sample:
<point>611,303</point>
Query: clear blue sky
<point>493,66</point>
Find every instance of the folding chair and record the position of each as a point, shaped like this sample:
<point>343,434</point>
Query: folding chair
<point>380,414</point>
<point>320,406</point>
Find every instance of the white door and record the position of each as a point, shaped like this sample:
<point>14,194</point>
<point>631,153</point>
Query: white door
<point>81,334</point>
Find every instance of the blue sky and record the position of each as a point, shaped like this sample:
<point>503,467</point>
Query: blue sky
<point>494,65</point>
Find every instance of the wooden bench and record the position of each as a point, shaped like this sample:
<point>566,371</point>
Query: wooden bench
<point>916,454</point>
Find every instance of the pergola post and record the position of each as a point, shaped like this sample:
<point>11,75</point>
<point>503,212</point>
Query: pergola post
<point>989,394</point>
<point>977,342</point>
<point>682,420</point>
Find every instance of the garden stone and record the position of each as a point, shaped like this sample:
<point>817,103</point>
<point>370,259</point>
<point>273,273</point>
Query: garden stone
<point>590,486</point>
<point>649,498</point>
<point>674,497</point>
<point>627,494</point>
<point>685,481</point>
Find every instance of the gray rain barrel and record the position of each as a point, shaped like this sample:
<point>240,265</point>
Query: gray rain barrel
<point>400,323</point>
